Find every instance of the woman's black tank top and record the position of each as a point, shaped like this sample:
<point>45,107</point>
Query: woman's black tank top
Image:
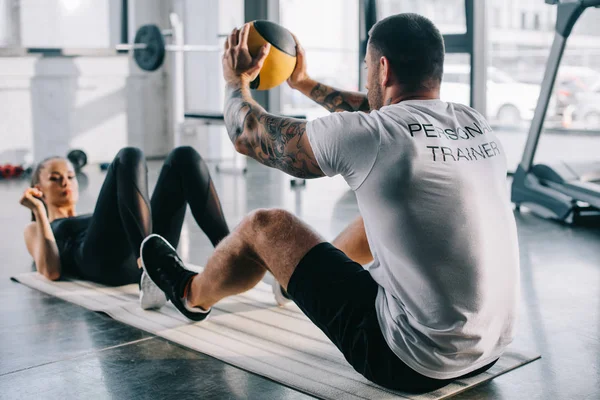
<point>70,235</point>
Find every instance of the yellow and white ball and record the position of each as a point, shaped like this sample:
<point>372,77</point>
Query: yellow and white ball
<point>280,61</point>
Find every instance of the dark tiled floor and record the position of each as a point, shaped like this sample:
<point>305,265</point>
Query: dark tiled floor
<point>33,330</point>
<point>147,368</point>
<point>52,349</point>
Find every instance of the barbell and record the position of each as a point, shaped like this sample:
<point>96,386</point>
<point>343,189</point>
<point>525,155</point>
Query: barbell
<point>149,50</point>
<point>149,47</point>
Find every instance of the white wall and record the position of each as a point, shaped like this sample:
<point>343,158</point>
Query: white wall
<point>16,133</point>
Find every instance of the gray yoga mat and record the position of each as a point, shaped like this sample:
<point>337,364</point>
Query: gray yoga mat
<point>250,332</point>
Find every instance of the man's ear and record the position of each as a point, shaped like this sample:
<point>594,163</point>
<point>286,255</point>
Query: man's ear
<point>386,71</point>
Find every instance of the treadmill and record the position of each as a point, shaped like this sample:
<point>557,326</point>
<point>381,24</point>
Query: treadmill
<point>568,192</point>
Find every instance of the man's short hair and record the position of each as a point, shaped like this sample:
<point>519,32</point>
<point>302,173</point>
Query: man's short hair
<point>414,47</point>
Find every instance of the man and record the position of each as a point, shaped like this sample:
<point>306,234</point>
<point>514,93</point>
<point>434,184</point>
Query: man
<point>439,298</point>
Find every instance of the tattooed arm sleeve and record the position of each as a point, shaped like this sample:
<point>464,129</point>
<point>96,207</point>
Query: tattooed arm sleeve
<point>333,99</point>
<point>275,141</point>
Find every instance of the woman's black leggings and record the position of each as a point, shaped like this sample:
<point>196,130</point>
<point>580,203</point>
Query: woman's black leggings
<point>124,216</point>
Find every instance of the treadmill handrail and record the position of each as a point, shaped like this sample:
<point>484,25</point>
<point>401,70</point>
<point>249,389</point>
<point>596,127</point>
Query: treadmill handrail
<point>584,3</point>
<point>591,3</point>
<point>582,191</point>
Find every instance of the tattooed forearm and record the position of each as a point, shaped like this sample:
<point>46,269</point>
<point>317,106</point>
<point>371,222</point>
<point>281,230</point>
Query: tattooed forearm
<point>271,140</point>
<point>335,100</point>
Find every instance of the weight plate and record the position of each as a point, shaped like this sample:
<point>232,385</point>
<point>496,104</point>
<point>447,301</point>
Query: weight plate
<point>78,158</point>
<point>152,57</point>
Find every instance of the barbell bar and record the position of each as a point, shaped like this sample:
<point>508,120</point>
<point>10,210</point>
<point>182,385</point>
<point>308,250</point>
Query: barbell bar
<point>149,47</point>
<point>170,47</point>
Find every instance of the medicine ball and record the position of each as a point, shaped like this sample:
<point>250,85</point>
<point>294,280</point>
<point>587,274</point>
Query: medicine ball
<point>280,62</point>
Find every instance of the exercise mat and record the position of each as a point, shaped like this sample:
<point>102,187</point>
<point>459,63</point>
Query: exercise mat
<point>250,332</point>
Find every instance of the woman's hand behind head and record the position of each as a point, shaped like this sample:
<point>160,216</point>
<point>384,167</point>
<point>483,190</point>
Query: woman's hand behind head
<point>31,199</point>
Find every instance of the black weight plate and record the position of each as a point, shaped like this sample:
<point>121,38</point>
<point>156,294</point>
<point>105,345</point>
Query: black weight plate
<point>152,57</point>
<point>78,158</point>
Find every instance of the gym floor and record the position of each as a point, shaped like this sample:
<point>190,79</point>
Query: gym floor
<point>53,349</point>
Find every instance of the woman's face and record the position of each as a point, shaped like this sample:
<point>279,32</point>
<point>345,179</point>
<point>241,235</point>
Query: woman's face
<point>58,183</point>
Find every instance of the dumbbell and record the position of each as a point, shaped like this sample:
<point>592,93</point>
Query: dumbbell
<point>8,171</point>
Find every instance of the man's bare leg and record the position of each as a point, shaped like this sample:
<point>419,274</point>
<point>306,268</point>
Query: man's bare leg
<point>266,240</point>
<point>353,242</point>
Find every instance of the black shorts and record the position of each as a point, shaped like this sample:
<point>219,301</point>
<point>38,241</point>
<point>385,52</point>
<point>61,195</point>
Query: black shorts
<point>338,295</point>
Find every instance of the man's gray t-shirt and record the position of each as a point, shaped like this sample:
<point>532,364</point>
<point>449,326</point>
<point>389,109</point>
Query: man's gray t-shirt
<point>430,180</point>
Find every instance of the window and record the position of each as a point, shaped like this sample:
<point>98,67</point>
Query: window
<point>497,15</point>
<point>497,76</point>
<point>448,15</point>
<point>572,127</point>
<point>536,22</point>
<point>70,23</point>
<point>331,46</point>
<point>456,83</point>
<point>517,61</point>
<point>517,65</point>
<point>453,77</point>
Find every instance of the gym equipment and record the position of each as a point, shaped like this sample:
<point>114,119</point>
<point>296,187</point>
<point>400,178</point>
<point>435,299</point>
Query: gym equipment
<point>567,192</point>
<point>9,171</point>
<point>280,62</point>
<point>297,183</point>
<point>78,158</point>
<point>149,50</point>
<point>212,118</point>
<point>149,47</point>
<point>299,366</point>
<point>152,56</point>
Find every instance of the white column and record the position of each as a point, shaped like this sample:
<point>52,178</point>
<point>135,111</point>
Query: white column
<point>10,30</point>
<point>177,78</point>
<point>53,98</point>
<point>480,57</point>
<point>149,119</point>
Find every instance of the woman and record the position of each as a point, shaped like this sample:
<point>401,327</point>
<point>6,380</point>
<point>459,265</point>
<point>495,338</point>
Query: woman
<point>103,247</point>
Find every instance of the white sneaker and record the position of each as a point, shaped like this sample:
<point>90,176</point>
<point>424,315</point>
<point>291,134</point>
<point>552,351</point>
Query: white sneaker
<point>281,296</point>
<point>150,295</point>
